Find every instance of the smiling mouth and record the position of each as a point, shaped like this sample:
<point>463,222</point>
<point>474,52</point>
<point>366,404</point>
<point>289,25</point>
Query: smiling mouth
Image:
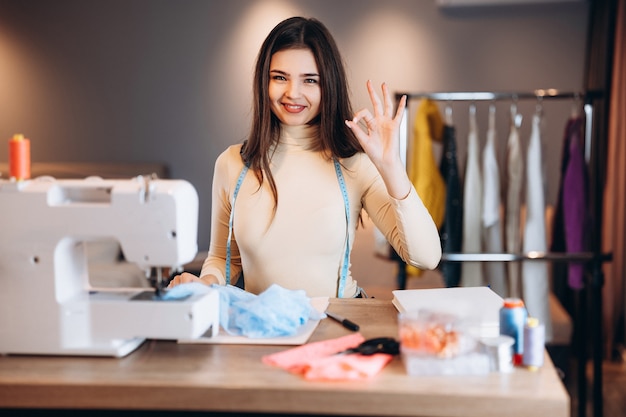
<point>293,108</point>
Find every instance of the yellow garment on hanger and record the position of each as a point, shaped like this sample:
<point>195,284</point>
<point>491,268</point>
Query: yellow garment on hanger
<point>423,169</point>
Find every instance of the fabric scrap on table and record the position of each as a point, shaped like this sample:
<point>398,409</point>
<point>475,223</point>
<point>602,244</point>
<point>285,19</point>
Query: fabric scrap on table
<point>323,360</point>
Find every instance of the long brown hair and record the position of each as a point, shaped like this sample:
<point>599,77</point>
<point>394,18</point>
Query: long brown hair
<point>335,138</point>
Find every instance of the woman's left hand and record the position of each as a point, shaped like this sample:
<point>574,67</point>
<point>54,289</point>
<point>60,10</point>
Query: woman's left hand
<point>381,139</point>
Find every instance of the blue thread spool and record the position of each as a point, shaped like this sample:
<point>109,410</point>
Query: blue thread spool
<point>534,342</point>
<point>512,320</point>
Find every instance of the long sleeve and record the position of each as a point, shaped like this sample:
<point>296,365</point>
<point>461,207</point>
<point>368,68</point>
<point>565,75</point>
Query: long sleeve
<point>226,167</point>
<point>423,170</point>
<point>495,272</point>
<point>575,203</point>
<point>471,275</point>
<point>514,178</point>
<point>406,224</point>
<point>535,274</point>
<point>452,229</point>
<point>422,167</point>
<point>573,185</point>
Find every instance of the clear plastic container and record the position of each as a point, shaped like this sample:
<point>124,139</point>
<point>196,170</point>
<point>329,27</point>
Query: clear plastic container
<point>439,343</point>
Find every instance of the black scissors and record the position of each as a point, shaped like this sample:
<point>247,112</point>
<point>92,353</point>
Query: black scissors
<point>387,345</point>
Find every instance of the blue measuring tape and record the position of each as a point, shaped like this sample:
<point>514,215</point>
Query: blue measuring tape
<point>346,203</point>
<point>242,175</point>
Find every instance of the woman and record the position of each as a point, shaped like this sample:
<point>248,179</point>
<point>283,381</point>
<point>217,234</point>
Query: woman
<point>287,202</point>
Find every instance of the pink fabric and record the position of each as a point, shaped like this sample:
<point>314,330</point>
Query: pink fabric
<point>319,360</point>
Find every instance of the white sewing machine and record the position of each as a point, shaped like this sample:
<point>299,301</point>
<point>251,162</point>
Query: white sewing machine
<point>46,304</point>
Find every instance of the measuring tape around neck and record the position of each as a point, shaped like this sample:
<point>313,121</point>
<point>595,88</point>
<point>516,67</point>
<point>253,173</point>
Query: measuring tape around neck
<point>346,203</point>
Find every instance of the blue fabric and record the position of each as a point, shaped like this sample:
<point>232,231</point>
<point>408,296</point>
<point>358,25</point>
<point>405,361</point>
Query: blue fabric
<point>182,291</point>
<point>275,312</point>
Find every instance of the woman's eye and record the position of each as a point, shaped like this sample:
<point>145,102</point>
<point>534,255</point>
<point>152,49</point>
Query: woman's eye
<point>310,81</point>
<point>279,78</point>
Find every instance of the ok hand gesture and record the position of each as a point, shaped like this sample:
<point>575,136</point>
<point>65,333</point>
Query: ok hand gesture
<point>380,139</point>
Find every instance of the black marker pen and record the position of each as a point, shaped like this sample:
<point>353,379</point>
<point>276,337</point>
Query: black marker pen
<point>350,325</point>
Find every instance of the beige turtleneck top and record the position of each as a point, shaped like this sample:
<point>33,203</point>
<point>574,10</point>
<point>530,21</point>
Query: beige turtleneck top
<point>302,246</point>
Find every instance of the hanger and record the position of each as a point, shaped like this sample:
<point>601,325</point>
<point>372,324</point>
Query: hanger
<point>539,106</point>
<point>472,115</point>
<point>492,116</point>
<point>516,118</point>
<point>448,113</point>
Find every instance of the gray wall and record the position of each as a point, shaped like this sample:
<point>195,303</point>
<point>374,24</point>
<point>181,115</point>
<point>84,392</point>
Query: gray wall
<point>169,80</point>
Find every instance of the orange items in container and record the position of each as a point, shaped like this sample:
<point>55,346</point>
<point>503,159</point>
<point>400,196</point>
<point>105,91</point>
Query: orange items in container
<point>440,343</point>
<point>19,157</point>
<point>430,333</point>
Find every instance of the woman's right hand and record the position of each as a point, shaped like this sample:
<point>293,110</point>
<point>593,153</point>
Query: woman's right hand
<point>186,277</point>
<point>381,140</point>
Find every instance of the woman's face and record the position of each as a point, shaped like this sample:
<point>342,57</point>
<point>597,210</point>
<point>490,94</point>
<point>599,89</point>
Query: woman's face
<point>294,89</point>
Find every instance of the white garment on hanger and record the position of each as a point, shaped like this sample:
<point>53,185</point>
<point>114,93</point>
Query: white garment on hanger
<point>471,272</point>
<point>535,275</point>
<point>495,272</point>
<point>514,176</point>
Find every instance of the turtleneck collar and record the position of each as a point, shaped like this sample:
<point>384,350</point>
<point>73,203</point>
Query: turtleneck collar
<point>298,136</point>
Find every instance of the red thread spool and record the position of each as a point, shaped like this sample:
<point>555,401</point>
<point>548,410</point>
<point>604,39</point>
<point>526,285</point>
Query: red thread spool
<point>19,157</point>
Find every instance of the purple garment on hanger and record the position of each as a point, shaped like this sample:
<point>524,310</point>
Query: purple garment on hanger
<point>575,201</point>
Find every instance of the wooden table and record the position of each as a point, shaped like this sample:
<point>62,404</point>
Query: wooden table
<point>165,375</point>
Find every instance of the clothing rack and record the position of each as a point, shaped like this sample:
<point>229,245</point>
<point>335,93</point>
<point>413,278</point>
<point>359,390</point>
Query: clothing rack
<point>539,95</point>
<point>593,259</point>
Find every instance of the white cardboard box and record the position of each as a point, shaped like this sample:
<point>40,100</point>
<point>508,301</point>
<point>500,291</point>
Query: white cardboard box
<point>479,305</point>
